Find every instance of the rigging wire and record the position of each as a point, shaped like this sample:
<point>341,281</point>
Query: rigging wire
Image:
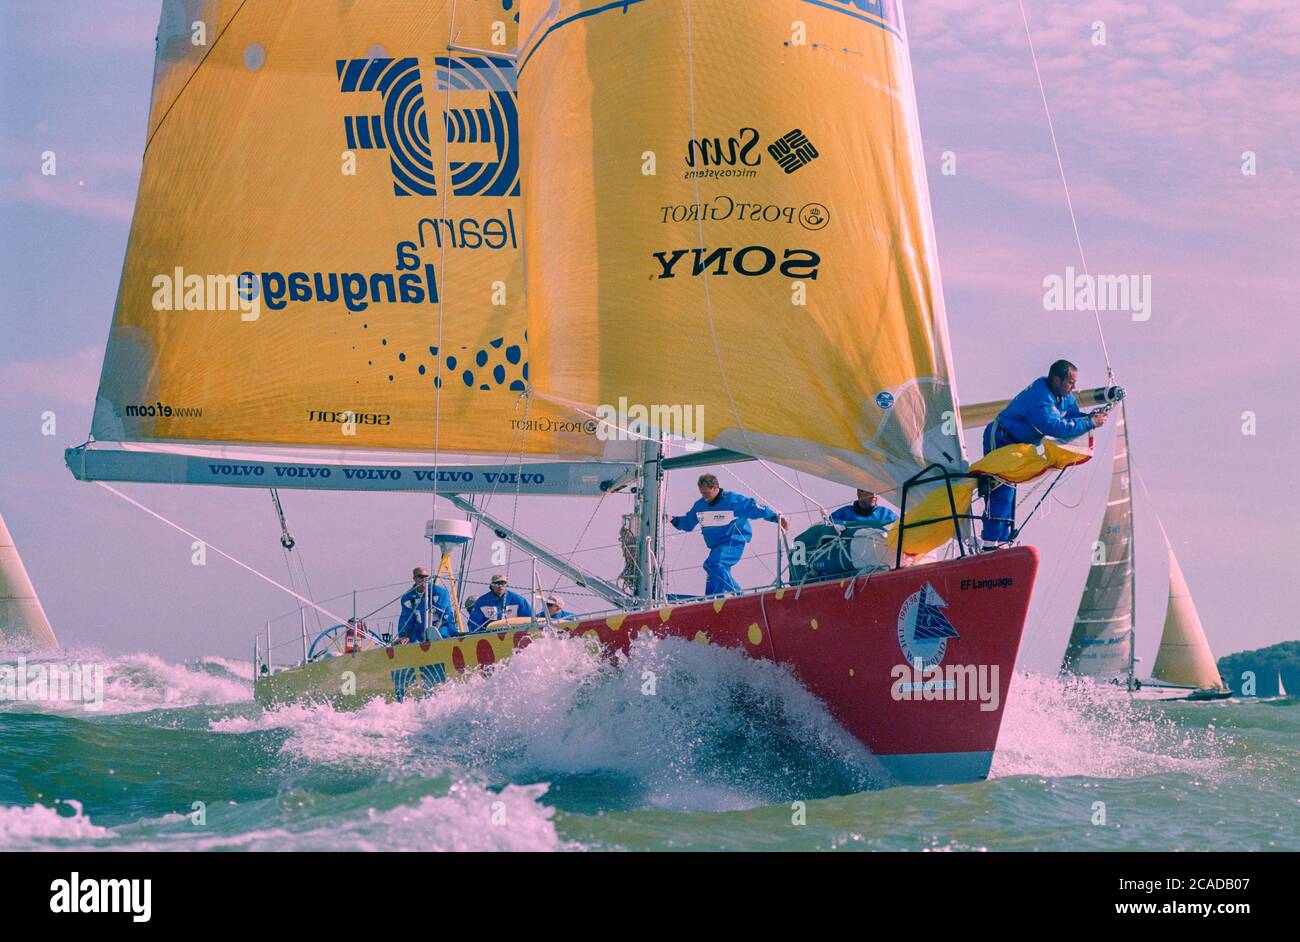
<point>442,273</point>
<point>190,77</point>
<point>261,575</point>
<point>1073,534</point>
<point>1065,185</point>
<point>287,544</point>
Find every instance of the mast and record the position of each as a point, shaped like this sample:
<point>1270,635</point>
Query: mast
<point>648,503</point>
<point>1132,559</point>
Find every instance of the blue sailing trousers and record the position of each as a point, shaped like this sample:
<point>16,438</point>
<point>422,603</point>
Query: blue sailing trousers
<point>1001,500</point>
<point>717,568</point>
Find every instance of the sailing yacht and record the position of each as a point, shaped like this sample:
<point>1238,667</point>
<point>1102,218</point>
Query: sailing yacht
<point>22,617</point>
<point>711,209</point>
<point>1102,643</point>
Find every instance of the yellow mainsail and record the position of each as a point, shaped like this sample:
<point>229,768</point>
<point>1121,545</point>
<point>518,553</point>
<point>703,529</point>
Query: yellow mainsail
<point>327,243</point>
<point>727,208</point>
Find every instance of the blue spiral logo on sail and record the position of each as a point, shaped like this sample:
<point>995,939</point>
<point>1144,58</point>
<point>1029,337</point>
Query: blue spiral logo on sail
<point>403,127</point>
<point>497,124</point>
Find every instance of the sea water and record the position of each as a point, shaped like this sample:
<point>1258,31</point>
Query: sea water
<point>680,746</point>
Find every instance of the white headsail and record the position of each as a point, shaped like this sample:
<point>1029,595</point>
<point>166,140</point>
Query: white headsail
<point>22,618</point>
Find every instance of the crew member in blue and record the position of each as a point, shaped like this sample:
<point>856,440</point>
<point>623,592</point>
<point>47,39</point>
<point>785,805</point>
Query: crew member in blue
<point>497,603</point>
<point>413,626</point>
<point>1046,407</point>
<point>555,608</point>
<point>724,520</point>
<point>865,511</point>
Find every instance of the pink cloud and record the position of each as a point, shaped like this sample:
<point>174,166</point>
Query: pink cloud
<point>64,192</point>
<point>69,378</point>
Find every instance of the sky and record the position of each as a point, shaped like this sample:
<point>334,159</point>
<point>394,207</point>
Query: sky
<point>1158,107</point>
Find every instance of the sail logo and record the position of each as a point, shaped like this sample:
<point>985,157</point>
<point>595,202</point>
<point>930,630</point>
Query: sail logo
<point>751,261</point>
<point>489,127</point>
<point>793,150</point>
<point>811,216</point>
<point>715,157</point>
<point>923,629</point>
<point>883,13</point>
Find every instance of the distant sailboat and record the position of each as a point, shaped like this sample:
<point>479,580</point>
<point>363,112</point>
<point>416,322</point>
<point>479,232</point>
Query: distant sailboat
<point>1102,644</point>
<point>1184,656</point>
<point>1281,688</point>
<point>22,619</point>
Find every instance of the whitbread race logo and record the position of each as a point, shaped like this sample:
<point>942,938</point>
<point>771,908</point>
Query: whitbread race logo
<point>923,633</point>
<point>923,629</point>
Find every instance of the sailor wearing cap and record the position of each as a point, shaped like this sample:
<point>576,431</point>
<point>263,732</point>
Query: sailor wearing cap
<point>555,608</point>
<point>498,603</point>
<point>424,596</point>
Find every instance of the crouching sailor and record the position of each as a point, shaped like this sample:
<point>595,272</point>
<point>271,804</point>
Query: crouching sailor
<point>555,608</point>
<point>498,603</point>
<point>865,511</point>
<point>1046,407</point>
<point>724,520</point>
<point>426,610</point>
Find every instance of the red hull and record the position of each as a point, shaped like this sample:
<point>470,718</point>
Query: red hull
<point>842,640</point>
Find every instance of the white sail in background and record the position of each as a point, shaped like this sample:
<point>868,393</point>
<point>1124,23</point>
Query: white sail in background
<point>21,617</point>
<point>1101,643</point>
<point>1184,656</point>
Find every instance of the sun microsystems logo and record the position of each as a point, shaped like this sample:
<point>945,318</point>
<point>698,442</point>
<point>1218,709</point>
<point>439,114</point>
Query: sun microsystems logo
<point>480,122</point>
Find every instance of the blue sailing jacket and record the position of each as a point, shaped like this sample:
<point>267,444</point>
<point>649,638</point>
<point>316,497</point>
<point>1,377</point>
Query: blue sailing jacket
<point>412,625</point>
<point>487,607</point>
<point>726,520</point>
<point>1036,412</point>
<point>880,516</point>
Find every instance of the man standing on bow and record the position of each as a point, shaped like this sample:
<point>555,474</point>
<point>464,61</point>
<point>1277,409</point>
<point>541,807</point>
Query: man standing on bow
<point>724,520</point>
<point>1046,407</point>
